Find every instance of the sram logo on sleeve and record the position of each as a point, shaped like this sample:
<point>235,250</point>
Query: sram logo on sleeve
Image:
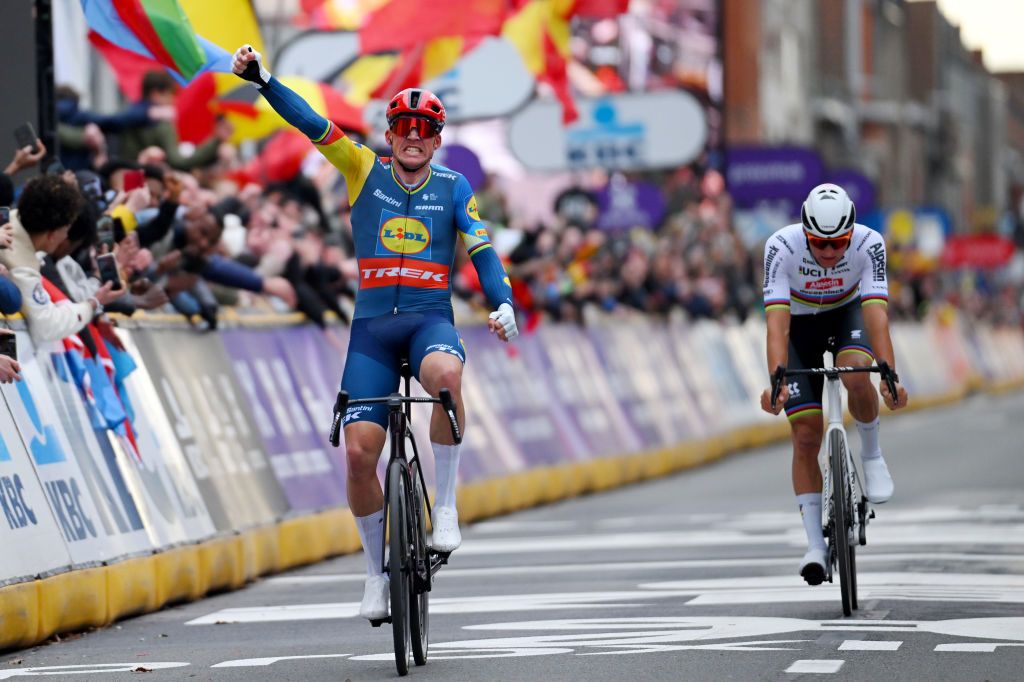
<point>389,272</point>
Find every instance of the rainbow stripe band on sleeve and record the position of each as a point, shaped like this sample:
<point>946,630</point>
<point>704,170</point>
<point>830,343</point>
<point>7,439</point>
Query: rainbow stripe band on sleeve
<point>803,410</point>
<point>777,304</point>
<point>873,299</point>
<point>478,248</point>
<point>332,134</point>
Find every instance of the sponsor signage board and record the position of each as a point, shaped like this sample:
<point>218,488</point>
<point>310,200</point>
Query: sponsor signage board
<point>193,375</point>
<point>639,131</point>
<point>298,456</point>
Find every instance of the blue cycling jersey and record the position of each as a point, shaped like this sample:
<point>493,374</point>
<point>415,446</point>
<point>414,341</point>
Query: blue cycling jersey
<point>405,238</point>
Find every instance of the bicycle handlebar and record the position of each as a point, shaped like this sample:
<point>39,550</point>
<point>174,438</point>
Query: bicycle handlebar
<point>888,375</point>
<point>394,401</point>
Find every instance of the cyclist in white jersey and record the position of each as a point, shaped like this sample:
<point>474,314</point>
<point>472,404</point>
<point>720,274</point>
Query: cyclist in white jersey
<point>825,288</point>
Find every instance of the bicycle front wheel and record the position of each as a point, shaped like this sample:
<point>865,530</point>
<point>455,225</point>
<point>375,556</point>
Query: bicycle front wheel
<point>419,605</point>
<point>399,563</point>
<point>842,516</point>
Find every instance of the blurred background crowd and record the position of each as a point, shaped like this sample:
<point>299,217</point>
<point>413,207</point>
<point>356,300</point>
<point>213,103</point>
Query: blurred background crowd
<point>206,201</point>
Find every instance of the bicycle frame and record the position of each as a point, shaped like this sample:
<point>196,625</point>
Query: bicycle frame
<point>834,395</point>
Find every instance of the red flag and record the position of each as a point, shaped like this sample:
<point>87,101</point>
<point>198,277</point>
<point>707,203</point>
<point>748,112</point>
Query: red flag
<point>600,9</point>
<point>128,67</point>
<point>402,24</point>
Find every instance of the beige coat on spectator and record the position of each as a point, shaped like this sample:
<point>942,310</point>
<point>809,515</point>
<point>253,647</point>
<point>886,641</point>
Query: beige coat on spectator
<point>47,321</point>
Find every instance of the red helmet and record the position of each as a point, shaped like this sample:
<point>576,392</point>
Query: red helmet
<point>417,103</point>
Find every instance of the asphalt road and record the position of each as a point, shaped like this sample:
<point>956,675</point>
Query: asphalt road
<point>691,577</point>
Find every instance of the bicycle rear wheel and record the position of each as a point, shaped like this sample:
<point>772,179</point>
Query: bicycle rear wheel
<point>419,605</point>
<point>399,564</point>
<point>842,510</point>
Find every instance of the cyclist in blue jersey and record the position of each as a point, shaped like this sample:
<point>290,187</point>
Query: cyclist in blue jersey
<point>407,216</point>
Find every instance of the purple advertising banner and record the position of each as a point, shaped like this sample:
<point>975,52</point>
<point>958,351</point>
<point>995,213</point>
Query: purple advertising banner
<point>463,160</point>
<point>646,381</point>
<point>508,377</point>
<point>565,358</point>
<point>625,205</point>
<point>296,450</point>
<point>769,174</point>
<point>859,186</point>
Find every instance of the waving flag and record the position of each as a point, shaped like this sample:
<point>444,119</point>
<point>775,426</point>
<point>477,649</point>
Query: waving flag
<point>158,30</point>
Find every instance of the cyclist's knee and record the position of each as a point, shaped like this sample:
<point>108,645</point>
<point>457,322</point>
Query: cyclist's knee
<point>806,437</point>
<point>362,451</point>
<point>443,375</point>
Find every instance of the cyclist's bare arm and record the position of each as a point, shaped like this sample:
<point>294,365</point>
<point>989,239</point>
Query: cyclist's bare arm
<point>777,319</point>
<point>876,321</point>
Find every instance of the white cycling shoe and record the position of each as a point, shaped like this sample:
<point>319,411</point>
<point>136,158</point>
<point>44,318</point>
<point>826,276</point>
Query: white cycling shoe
<point>878,485</point>
<point>446,536</point>
<point>812,568</point>
<point>376,596</point>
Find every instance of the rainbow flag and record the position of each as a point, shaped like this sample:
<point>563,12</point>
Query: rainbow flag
<point>157,30</point>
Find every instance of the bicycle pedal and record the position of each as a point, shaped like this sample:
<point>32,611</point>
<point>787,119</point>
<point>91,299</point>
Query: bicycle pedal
<point>377,622</point>
<point>443,556</point>
<point>872,514</point>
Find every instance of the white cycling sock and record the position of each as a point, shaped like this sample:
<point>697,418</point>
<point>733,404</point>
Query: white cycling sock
<point>810,510</point>
<point>869,448</point>
<point>446,457</point>
<point>371,533</point>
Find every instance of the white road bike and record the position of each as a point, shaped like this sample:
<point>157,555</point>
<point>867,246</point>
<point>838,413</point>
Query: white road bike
<point>844,507</point>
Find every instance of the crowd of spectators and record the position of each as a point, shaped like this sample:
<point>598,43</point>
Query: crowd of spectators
<point>190,232</point>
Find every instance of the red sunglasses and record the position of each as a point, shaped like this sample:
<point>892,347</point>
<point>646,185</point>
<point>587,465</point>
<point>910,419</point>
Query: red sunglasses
<point>406,124</point>
<point>836,243</point>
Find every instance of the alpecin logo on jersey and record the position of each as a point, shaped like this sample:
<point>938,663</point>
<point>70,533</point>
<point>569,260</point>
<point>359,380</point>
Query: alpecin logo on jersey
<point>824,284</point>
<point>389,272</point>
<point>404,235</point>
<point>876,252</point>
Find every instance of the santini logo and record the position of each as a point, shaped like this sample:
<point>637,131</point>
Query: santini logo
<point>386,199</point>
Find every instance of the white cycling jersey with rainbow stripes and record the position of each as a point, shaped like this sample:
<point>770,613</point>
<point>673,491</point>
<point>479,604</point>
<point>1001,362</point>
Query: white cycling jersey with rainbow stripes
<point>794,280</point>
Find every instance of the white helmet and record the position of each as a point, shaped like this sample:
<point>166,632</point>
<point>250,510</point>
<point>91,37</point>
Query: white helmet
<point>828,212</point>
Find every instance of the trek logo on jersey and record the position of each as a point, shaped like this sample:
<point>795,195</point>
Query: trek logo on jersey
<point>404,235</point>
<point>824,284</point>
<point>472,210</point>
<point>389,272</point>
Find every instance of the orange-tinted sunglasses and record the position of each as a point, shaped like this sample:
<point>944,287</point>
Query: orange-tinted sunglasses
<point>406,124</point>
<point>836,243</point>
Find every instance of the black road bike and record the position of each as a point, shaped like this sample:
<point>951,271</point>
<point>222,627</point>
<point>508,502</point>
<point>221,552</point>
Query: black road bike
<point>407,559</point>
<point>844,507</point>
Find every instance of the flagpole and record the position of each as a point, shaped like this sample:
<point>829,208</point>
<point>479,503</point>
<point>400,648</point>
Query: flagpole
<point>44,80</point>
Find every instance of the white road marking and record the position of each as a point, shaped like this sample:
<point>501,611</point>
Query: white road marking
<point>869,645</point>
<point>811,665</point>
<point>519,526</point>
<point>879,534</point>
<point>90,668</point>
<point>947,587</point>
<point>974,647</point>
<point>260,662</point>
<point>448,573</point>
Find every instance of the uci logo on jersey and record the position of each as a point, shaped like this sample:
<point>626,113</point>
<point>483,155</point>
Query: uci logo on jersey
<point>404,235</point>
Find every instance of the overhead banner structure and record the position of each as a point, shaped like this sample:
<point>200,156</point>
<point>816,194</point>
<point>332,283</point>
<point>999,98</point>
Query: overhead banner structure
<point>644,131</point>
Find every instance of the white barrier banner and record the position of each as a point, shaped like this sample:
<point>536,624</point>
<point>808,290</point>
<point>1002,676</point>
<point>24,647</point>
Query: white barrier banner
<point>172,507</point>
<point>31,541</point>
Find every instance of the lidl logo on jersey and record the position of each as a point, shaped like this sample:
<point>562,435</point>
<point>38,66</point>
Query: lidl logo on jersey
<point>472,210</point>
<point>404,235</point>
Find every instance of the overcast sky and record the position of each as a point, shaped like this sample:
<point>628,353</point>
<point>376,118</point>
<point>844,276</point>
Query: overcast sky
<point>994,26</point>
